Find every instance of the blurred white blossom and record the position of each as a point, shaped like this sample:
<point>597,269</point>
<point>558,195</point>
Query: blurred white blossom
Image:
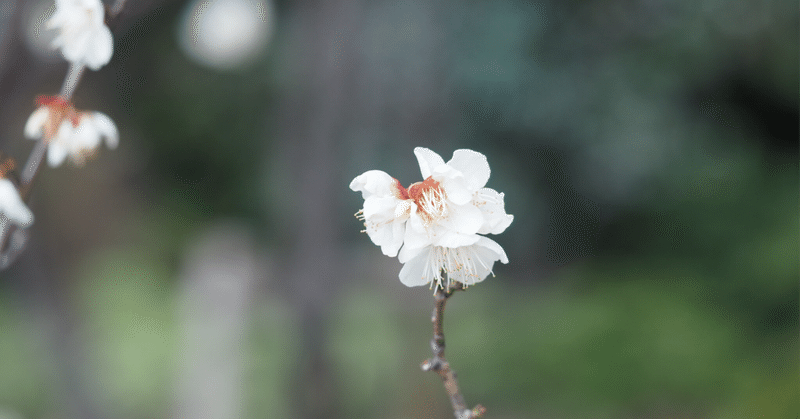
<point>226,34</point>
<point>83,37</point>
<point>11,206</point>
<point>436,225</point>
<point>69,132</point>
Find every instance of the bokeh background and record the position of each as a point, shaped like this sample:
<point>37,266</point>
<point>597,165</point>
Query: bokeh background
<point>211,267</point>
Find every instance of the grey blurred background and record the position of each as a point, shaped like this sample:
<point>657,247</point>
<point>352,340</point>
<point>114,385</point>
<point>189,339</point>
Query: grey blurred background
<point>210,267</point>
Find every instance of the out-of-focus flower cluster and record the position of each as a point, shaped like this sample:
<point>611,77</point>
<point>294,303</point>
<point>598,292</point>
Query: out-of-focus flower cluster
<point>69,132</point>
<point>436,226</point>
<point>84,41</point>
<point>83,37</point>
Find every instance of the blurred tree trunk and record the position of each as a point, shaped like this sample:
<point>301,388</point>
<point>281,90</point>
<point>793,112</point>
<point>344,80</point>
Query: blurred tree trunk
<point>313,119</point>
<point>341,89</point>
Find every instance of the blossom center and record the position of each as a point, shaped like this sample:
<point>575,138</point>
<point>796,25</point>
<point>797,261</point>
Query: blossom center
<point>430,199</point>
<point>60,109</point>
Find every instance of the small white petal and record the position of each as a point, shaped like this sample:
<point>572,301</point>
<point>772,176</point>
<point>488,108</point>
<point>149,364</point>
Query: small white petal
<point>85,136</point>
<point>491,249</point>
<point>100,48</point>
<point>473,165</point>
<point>106,128</point>
<point>389,238</point>
<point>456,192</point>
<point>380,209</point>
<point>83,36</point>
<point>417,234</point>
<point>393,244</point>
<point>465,264</point>
<point>407,253</point>
<point>373,182</point>
<point>34,126</point>
<point>382,222</point>
<point>11,205</point>
<point>491,204</point>
<point>428,161</point>
<point>60,145</point>
<point>454,239</point>
<point>381,225</point>
<point>472,264</point>
<point>418,270</point>
<point>460,228</point>
<point>55,155</point>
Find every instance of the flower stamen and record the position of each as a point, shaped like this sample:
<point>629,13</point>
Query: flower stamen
<point>430,199</point>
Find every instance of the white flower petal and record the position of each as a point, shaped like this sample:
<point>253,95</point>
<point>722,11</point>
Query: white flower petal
<point>456,192</point>
<point>491,250</point>
<point>374,183</point>
<point>465,264</point>
<point>389,237</point>
<point>85,136</point>
<point>417,235</point>
<point>454,239</point>
<point>382,225</point>
<point>407,253</point>
<point>380,209</point>
<point>473,166</point>
<point>11,205</point>
<point>100,48</point>
<point>428,161</point>
<point>34,126</point>
<point>83,36</point>
<point>393,244</point>
<point>491,204</point>
<point>472,264</point>
<point>418,270</point>
<point>55,154</point>
<point>106,128</point>
<point>460,228</point>
<point>61,145</point>
<point>466,219</point>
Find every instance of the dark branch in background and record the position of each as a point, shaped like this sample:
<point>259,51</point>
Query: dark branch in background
<point>116,8</point>
<point>439,364</point>
<point>114,14</point>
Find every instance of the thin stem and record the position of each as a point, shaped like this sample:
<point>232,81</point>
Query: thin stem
<point>71,80</point>
<point>32,167</point>
<point>439,364</point>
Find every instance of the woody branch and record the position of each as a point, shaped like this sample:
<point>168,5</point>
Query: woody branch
<point>439,364</point>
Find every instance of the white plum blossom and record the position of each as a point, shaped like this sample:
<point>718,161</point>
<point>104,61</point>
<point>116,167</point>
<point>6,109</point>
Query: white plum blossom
<point>12,209</point>
<point>436,225</point>
<point>69,132</point>
<point>84,38</point>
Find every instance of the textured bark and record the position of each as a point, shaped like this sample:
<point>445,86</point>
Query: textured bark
<point>439,364</point>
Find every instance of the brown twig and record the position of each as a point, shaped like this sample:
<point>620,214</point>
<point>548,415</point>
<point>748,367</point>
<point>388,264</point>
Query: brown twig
<point>439,364</point>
